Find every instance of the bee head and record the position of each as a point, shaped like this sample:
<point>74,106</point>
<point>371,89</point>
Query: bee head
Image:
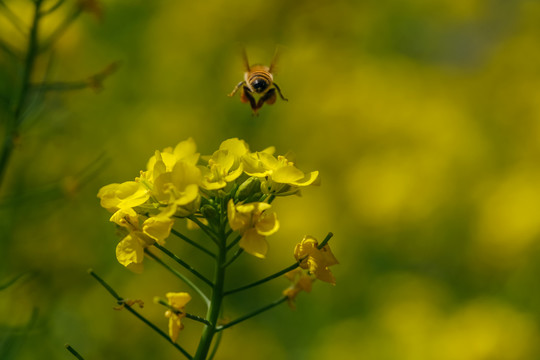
<point>259,85</point>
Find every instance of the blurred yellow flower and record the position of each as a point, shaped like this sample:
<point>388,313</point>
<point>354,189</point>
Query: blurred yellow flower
<point>121,196</point>
<point>316,260</point>
<point>254,223</point>
<point>177,301</point>
<point>300,282</point>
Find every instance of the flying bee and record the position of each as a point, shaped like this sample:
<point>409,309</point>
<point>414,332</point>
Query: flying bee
<point>258,86</point>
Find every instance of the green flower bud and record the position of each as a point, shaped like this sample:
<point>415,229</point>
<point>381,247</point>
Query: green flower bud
<point>249,187</point>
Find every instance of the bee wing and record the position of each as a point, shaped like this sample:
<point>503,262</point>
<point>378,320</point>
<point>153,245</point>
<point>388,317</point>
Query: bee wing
<point>245,59</point>
<point>273,64</point>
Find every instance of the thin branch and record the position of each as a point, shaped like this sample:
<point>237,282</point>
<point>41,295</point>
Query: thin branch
<point>216,345</point>
<point>279,273</point>
<point>178,312</point>
<point>252,314</point>
<point>193,243</point>
<point>234,257</point>
<point>61,29</point>
<point>234,242</point>
<point>94,82</point>
<point>207,230</point>
<point>8,50</point>
<point>120,300</point>
<point>15,20</point>
<point>12,128</point>
<point>74,352</point>
<point>53,8</point>
<point>184,264</point>
<point>262,281</point>
<point>180,276</point>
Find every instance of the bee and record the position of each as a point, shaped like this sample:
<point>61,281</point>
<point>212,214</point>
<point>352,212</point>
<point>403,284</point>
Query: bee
<point>258,86</point>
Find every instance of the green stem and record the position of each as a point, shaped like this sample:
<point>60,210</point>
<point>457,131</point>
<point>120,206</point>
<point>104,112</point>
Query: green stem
<point>178,312</point>
<point>61,29</point>
<point>234,242</point>
<point>216,345</point>
<point>180,276</point>
<point>74,352</point>
<point>193,243</point>
<point>12,127</point>
<point>184,264</point>
<point>252,314</point>
<point>279,273</point>
<point>120,300</point>
<point>262,281</point>
<point>207,230</point>
<point>217,295</point>
<point>13,18</point>
<point>234,257</point>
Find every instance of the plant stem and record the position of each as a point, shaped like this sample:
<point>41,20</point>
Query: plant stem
<point>207,230</point>
<point>193,243</point>
<point>234,257</point>
<point>252,314</point>
<point>178,312</point>
<point>217,296</point>
<point>234,242</point>
<point>279,273</point>
<point>120,300</point>
<point>262,281</point>
<point>184,264</point>
<point>180,276</point>
<point>74,352</point>
<point>12,126</point>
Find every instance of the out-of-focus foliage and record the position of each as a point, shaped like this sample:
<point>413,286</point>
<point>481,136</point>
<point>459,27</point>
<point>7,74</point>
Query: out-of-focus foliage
<point>422,117</point>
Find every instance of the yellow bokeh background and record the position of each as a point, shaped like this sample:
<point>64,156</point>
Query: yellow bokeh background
<point>422,117</point>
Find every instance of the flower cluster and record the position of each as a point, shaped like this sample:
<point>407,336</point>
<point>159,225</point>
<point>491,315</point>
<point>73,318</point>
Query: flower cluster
<point>179,183</point>
<point>228,195</point>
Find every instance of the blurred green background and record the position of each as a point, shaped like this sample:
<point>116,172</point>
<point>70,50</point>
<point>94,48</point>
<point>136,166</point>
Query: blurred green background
<point>422,116</point>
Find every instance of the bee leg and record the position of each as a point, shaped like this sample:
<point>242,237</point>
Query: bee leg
<point>279,91</point>
<point>269,97</point>
<point>246,96</point>
<point>236,88</point>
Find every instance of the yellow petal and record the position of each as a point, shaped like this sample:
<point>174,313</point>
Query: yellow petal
<point>287,175</point>
<point>309,179</point>
<point>235,146</point>
<point>178,300</point>
<point>130,250</point>
<point>127,218</point>
<point>267,223</point>
<point>187,151</point>
<point>254,243</point>
<point>158,227</point>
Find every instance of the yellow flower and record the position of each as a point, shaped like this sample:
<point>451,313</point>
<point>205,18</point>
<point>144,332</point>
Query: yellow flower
<point>178,301</point>
<point>315,260</point>
<point>223,167</point>
<point>130,250</point>
<point>300,282</point>
<point>236,147</point>
<point>179,188</point>
<point>121,196</point>
<point>254,223</point>
<point>165,160</point>
<point>280,174</point>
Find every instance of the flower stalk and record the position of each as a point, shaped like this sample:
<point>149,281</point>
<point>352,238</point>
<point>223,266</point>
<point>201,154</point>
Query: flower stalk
<point>227,196</point>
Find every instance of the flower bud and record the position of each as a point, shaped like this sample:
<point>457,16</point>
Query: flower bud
<point>249,187</point>
<point>209,212</point>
